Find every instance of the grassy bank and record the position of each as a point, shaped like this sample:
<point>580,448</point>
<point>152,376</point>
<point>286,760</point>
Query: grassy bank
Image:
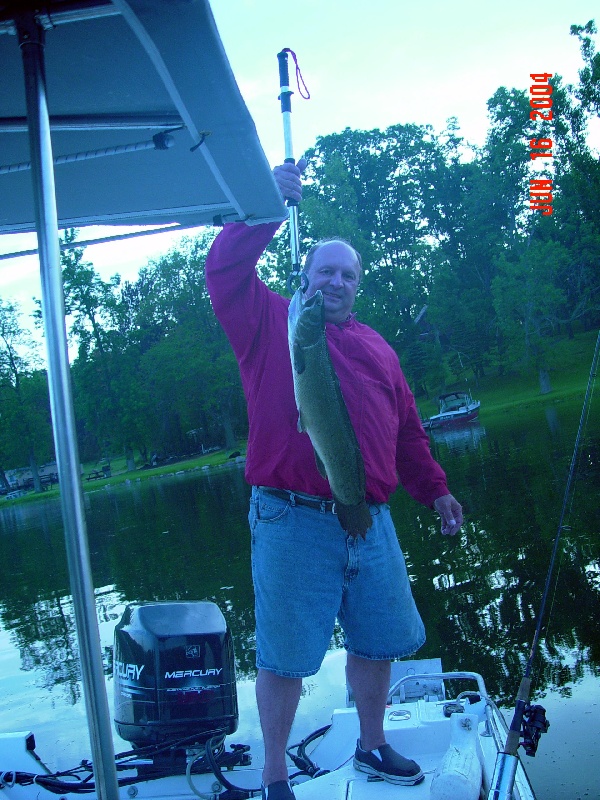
<point>120,474</point>
<point>512,393</point>
<point>518,393</point>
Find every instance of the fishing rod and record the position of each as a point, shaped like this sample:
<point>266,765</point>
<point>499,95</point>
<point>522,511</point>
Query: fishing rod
<point>531,719</point>
<point>285,98</point>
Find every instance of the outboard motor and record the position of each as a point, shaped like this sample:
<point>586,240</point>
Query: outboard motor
<point>174,673</point>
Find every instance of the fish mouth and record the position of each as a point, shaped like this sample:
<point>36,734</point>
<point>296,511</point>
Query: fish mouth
<point>315,299</point>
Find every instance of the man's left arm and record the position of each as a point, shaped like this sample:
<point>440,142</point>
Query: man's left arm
<point>419,473</point>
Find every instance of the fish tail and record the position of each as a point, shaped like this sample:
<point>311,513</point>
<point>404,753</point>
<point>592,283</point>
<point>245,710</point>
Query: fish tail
<point>355,520</point>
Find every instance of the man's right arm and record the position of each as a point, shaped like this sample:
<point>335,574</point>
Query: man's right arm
<point>237,295</point>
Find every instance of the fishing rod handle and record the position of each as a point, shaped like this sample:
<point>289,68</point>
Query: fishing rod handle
<point>285,96</point>
<point>286,111</point>
<point>285,99</point>
<point>291,203</point>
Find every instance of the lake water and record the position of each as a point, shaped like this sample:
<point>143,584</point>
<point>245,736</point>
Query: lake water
<point>185,537</point>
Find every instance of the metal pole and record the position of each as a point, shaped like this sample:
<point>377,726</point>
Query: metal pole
<point>285,94</point>
<point>61,402</point>
<point>503,781</point>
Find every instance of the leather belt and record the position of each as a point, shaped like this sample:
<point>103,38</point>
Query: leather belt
<point>318,503</point>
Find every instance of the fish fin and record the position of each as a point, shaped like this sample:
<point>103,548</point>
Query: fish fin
<point>355,520</point>
<point>301,428</point>
<point>320,466</point>
<point>299,360</point>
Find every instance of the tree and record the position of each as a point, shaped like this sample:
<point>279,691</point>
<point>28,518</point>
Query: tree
<point>25,428</point>
<point>91,304</point>
<point>576,204</point>
<point>90,301</point>
<point>588,91</point>
<point>377,189</point>
<point>481,203</point>
<point>211,399</point>
<point>179,374</point>
<point>528,303</point>
<point>577,276</point>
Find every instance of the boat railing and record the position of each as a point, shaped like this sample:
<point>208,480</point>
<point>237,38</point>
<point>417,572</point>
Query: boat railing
<point>496,726</point>
<point>517,783</point>
<point>396,688</point>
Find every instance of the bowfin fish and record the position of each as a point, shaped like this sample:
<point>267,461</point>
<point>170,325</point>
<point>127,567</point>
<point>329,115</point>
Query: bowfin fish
<point>323,415</point>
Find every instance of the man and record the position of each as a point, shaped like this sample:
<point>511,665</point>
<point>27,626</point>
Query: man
<point>306,570</point>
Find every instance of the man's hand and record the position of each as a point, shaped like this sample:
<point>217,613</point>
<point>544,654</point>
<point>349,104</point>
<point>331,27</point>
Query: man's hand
<point>288,179</point>
<point>450,511</point>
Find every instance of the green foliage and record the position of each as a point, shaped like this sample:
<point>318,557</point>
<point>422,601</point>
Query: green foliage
<point>527,301</point>
<point>165,379</point>
<point>378,190</point>
<point>25,425</point>
<point>460,277</point>
<point>588,91</point>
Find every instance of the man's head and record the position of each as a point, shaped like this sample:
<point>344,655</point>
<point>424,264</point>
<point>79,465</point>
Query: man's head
<point>334,267</point>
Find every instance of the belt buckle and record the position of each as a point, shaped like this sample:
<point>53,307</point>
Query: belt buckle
<point>323,506</point>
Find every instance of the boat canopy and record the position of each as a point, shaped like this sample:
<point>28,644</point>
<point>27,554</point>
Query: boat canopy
<point>454,400</point>
<point>145,87</point>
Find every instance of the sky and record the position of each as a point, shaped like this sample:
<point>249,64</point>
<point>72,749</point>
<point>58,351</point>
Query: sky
<point>366,65</point>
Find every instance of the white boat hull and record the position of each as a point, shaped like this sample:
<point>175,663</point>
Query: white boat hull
<point>419,729</point>
<point>466,414</point>
<point>424,736</point>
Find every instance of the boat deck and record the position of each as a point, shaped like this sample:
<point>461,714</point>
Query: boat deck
<point>418,730</point>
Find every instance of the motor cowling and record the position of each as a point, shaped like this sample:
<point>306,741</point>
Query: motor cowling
<point>174,673</point>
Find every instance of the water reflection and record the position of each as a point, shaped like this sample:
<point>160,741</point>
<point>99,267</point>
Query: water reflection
<point>459,438</point>
<point>186,538</point>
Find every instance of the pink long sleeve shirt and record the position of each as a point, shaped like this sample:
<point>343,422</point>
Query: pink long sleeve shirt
<point>381,406</point>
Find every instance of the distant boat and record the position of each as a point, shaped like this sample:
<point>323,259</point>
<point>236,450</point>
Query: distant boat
<point>455,407</point>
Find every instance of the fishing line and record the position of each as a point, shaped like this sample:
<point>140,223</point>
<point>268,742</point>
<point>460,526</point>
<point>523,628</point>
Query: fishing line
<point>530,720</point>
<point>566,498</point>
<point>583,425</point>
<point>521,708</point>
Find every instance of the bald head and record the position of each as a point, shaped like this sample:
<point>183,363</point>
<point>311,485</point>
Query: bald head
<point>334,267</point>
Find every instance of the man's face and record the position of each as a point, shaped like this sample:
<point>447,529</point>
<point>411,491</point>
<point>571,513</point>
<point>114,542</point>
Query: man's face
<point>336,272</point>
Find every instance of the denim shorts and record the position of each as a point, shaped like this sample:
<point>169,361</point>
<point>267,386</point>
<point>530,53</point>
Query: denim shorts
<point>307,571</point>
